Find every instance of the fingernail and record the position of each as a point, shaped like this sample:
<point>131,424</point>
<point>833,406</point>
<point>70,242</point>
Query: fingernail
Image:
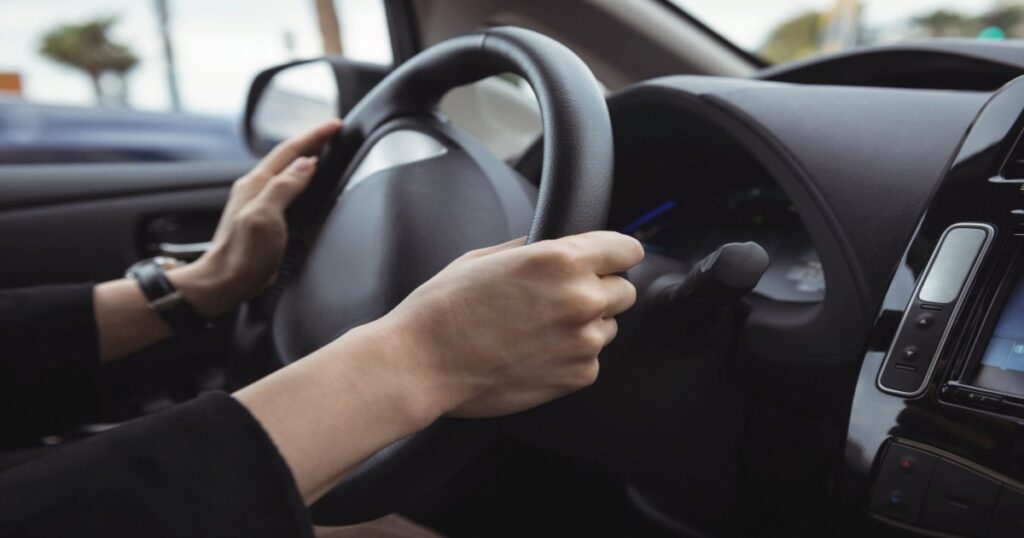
<point>303,164</point>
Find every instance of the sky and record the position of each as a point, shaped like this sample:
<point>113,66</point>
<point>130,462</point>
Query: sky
<point>221,44</point>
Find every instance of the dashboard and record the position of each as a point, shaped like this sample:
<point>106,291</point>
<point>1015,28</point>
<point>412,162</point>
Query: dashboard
<point>942,384</point>
<point>687,230</point>
<point>849,188</point>
<point>832,181</point>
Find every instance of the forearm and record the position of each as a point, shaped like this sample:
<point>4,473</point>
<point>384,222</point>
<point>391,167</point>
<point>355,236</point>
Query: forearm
<point>123,319</point>
<point>338,406</point>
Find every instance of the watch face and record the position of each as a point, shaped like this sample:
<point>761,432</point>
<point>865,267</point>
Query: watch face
<point>164,262</point>
<point>167,262</point>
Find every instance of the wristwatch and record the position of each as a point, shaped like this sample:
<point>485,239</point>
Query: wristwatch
<point>164,298</point>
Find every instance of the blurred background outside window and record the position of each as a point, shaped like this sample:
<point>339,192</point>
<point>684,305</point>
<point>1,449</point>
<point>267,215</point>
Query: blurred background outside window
<point>166,80</point>
<point>786,30</point>
<point>156,80</point>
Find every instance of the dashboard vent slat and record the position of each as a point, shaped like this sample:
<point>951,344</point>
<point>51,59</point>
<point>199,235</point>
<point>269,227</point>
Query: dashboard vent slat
<point>1013,168</point>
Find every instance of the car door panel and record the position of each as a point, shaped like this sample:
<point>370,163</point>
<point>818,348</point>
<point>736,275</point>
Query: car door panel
<point>36,185</point>
<point>87,223</point>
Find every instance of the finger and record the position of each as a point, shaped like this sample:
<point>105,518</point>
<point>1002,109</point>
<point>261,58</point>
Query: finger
<point>285,187</point>
<point>286,152</point>
<point>621,294</point>
<point>481,252</point>
<point>609,328</point>
<point>607,252</point>
<point>236,200</point>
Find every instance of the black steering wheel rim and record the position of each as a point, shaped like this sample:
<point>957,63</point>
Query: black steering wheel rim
<point>574,197</point>
<point>574,115</point>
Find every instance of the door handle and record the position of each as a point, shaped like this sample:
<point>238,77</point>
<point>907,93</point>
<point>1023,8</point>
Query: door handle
<point>184,251</point>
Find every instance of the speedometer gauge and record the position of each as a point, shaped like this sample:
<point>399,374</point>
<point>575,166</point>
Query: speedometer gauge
<point>689,231</point>
<point>795,276</point>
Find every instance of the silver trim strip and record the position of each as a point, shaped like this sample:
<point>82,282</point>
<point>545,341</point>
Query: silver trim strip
<point>185,251</point>
<point>1001,179</point>
<point>395,149</point>
<point>989,234</point>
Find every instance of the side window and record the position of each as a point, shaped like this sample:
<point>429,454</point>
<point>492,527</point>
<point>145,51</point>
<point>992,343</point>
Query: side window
<point>157,80</point>
<point>501,112</point>
<point>364,30</point>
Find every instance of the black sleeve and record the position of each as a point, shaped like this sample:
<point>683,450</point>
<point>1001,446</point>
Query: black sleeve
<point>206,468</point>
<point>49,359</point>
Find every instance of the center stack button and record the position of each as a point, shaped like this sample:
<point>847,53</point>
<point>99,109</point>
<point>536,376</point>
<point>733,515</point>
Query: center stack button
<point>922,333</point>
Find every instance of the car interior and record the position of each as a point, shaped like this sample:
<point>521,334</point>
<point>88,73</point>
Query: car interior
<point>825,337</point>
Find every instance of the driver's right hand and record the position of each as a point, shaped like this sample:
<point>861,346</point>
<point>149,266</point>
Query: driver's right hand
<point>510,327</point>
<point>500,330</point>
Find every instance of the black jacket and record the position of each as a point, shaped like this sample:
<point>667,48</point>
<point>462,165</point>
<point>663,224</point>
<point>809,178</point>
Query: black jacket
<point>206,468</point>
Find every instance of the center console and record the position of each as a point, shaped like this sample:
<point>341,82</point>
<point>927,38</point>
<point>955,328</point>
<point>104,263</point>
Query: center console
<point>935,443</point>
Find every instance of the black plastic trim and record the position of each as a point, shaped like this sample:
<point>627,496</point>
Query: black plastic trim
<point>404,29</point>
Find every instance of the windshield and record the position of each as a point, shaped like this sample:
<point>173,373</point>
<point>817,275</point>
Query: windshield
<point>785,30</point>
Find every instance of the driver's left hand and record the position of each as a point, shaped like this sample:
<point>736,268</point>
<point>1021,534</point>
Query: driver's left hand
<point>250,238</point>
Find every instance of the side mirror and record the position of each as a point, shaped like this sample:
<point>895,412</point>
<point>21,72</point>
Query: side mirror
<point>291,98</point>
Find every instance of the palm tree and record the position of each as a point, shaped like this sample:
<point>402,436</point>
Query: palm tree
<point>794,39</point>
<point>87,46</point>
<point>945,23</point>
<point>1007,18</point>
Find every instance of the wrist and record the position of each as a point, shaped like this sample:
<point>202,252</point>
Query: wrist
<point>384,353</point>
<point>208,292</point>
<point>353,389</point>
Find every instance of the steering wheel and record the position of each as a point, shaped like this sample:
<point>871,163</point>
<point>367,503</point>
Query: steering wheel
<point>399,194</point>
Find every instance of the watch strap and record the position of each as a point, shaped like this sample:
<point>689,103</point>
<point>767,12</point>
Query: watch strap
<point>166,300</point>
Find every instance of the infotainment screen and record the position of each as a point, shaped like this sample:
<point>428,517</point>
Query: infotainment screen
<point>1002,366</point>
